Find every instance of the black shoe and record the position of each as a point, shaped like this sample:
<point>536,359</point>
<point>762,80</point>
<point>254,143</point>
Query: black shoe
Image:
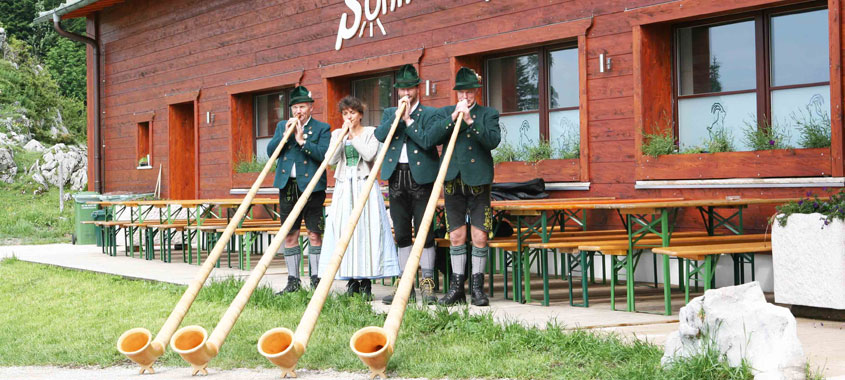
<point>476,290</point>
<point>367,289</point>
<point>387,300</point>
<point>427,291</point>
<point>352,287</point>
<point>456,291</point>
<point>292,286</point>
<point>315,281</point>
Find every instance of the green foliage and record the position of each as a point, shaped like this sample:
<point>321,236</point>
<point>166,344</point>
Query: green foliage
<point>721,140</point>
<point>34,89</point>
<point>66,62</point>
<point>542,151</point>
<point>434,342</point>
<point>832,208</point>
<point>570,151</point>
<point>762,136</point>
<point>506,152</point>
<point>16,17</point>
<point>659,143</point>
<point>252,165</point>
<point>814,128</point>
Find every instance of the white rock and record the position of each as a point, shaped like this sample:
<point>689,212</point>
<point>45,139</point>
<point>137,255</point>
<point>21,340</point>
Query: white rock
<point>739,322</point>
<point>39,179</point>
<point>809,261</point>
<point>79,180</point>
<point>33,146</point>
<point>8,167</point>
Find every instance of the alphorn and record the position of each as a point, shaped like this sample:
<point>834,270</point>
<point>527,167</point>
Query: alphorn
<point>374,345</point>
<point>137,343</point>
<point>282,346</point>
<point>193,343</point>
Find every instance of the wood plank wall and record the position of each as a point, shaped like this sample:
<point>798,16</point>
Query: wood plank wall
<point>154,48</point>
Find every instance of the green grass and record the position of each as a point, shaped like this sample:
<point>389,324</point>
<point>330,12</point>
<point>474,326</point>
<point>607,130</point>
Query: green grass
<point>62,317</point>
<point>28,218</point>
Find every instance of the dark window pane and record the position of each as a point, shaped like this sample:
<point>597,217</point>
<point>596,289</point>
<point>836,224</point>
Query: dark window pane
<point>513,83</point>
<point>269,110</point>
<point>717,58</point>
<point>800,48</point>
<point>563,78</point>
<point>377,95</point>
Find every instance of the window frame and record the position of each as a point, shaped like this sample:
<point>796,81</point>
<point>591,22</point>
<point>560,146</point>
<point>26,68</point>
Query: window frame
<point>762,53</point>
<point>394,93</point>
<point>285,111</point>
<point>544,74</point>
<point>140,125</point>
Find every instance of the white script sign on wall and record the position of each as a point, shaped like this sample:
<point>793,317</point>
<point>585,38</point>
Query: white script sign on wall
<point>363,15</point>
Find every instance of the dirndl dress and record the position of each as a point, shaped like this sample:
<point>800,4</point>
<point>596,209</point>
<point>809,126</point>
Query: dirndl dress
<point>371,254</point>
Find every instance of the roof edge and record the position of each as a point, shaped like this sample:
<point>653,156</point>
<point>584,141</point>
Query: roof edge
<point>67,7</point>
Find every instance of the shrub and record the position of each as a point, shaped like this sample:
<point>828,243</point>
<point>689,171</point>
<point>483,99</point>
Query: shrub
<point>814,129</point>
<point>506,152</point>
<point>542,151</point>
<point>832,208</point>
<point>762,136</point>
<point>253,165</point>
<point>721,140</point>
<point>658,144</point>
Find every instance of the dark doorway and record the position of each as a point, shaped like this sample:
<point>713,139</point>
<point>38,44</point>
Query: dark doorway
<point>182,151</point>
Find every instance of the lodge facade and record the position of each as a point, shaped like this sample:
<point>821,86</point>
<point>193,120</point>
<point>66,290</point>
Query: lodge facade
<point>195,87</point>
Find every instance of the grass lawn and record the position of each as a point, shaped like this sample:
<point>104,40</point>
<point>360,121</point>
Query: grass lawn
<point>62,317</point>
<point>30,218</point>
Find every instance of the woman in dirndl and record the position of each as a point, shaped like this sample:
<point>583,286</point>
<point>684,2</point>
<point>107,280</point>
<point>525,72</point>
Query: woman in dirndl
<point>371,254</point>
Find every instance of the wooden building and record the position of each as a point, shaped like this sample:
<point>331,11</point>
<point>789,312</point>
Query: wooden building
<point>196,86</point>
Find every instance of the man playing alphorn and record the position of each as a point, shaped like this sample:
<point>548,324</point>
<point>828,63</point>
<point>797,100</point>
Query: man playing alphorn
<point>295,167</point>
<point>410,168</point>
<point>467,187</point>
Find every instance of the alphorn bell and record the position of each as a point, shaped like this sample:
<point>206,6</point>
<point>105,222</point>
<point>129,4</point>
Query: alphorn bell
<point>137,343</point>
<point>284,347</point>
<point>193,343</point>
<point>374,345</point>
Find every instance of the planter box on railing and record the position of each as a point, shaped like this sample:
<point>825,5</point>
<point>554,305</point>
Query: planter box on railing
<point>813,162</point>
<point>549,170</point>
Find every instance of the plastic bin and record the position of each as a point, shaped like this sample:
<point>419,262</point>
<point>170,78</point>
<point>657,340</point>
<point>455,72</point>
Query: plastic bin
<point>85,233</point>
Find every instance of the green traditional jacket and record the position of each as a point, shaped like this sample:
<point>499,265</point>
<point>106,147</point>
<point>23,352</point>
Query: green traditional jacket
<point>307,157</point>
<point>421,143</point>
<point>471,158</point>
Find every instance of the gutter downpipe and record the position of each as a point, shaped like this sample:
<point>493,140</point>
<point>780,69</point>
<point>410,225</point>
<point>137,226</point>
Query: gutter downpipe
<point>98,173</point>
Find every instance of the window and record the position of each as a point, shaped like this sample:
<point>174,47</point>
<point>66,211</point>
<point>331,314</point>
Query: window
<point>768,68</point>
<point>377,93</point>
<point>144,155</point>
<point>268,110</point>
<point>537,94</point>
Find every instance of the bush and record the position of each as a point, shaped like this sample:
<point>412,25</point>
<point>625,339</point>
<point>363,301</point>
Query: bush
<point>253,165</point>
<point>814,129</point>
<point>506,152</point>
<point>832,208</point>
<point>762,136</point>
<point>658,144</point>
<point>542,151</point>
<point>721,140</point>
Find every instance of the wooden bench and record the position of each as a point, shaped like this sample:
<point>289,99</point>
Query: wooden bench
<point>618,252</point>
<point>710,253</point>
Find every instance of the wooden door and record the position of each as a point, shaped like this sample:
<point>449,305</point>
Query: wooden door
<point>182,160</point>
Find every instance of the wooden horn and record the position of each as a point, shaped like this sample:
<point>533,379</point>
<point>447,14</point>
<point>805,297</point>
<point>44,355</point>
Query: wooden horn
<point>137,343</point>
<point>284,347</point>
<point>374,345</point>
<point>192,342</point>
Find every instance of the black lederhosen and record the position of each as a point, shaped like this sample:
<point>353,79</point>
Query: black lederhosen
<point>313,211</point>
<point>462,200</point>
<point>407,203</point>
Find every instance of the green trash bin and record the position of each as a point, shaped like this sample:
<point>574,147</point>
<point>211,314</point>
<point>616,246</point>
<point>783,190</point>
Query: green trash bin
<point>85,233</point>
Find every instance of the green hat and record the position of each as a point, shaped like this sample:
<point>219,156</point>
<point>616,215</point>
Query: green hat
<point>467,79</point>
<point>407,77</point>
<point>300,94</point>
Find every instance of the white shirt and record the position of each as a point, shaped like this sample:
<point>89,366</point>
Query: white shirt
<point>403,157</point>
<point>293,167</point>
